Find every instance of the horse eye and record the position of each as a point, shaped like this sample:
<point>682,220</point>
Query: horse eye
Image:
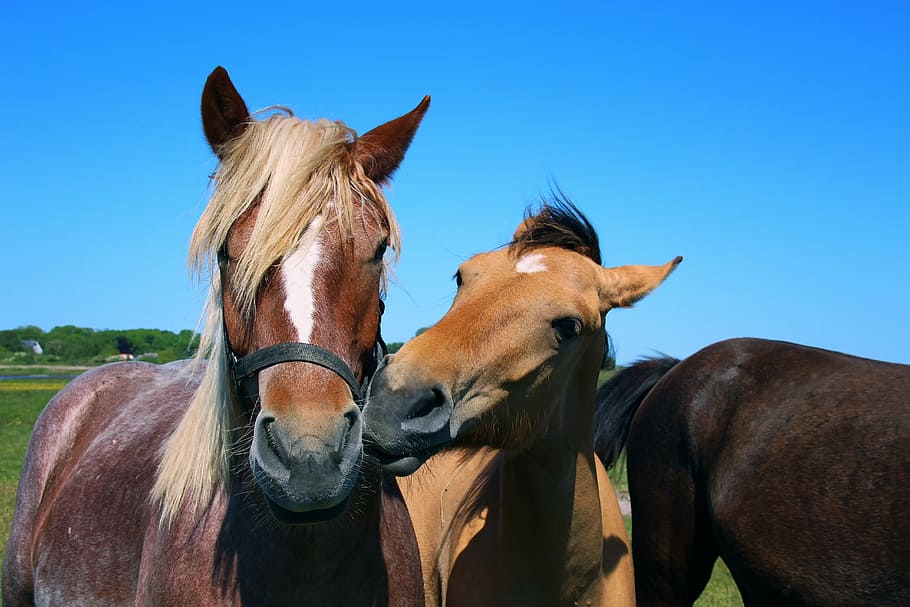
<point>380,251</point>
<point>223,256</point>
<point>457,278</point>
<point>568,327</point>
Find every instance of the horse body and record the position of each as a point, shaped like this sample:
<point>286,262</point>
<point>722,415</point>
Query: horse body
<point>84,512</point>
<point>239,478</point>
<point>788,462</point>
<point>521,513</point>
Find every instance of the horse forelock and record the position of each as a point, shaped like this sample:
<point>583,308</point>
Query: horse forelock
<point>295,171</point>
<point>557,222</point>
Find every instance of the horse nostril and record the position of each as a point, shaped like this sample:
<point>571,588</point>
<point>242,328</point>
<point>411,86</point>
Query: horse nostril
<point>271,440</point>
<point>430,413</point>
<point>351,418</point>
<point>435,399</point>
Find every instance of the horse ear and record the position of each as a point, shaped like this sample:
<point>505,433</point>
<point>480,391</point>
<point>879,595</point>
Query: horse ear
<point>224,113</point>
<point>623,286</point>
<point>381,150</point>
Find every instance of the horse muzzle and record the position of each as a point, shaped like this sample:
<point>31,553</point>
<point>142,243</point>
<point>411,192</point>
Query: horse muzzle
<point>406,425</point>
<point>308,476</point>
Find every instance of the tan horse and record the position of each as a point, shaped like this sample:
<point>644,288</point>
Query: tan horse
<point>523,513</point>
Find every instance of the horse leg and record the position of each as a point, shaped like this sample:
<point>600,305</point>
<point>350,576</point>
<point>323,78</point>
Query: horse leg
<point>618,576</point>
<point>673,546</point>
<point>399,548</point>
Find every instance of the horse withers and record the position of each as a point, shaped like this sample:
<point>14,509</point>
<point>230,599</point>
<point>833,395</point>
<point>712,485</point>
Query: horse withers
<point>240,480</point>
<point>789,462</point>
<point>496,402</point>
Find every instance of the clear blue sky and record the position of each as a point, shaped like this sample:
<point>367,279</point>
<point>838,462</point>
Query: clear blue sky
<point>769,145</point>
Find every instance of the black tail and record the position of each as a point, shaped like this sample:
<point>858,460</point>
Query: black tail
<point>619,399</point>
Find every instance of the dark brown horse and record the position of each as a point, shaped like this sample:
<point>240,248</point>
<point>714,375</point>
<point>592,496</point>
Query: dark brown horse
<point>791,463</point>
<point>241,480</point>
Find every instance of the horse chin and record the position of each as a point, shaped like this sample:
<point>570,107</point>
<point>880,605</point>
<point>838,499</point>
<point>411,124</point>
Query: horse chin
<point>404,455</point>
<point>308,517</point>
<point>297,508</point>
<point>402,465</point>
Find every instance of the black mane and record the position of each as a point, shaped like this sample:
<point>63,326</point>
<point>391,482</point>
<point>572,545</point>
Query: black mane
<point>558,223</point>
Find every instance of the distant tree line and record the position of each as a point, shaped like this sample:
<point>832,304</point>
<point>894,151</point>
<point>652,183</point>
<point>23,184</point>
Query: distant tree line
<point>82,346</point>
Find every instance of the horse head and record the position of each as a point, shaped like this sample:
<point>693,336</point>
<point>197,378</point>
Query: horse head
<point>295,236</point>
<point>524,335</point>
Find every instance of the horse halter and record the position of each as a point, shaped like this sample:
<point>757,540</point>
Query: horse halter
<point>247,368</point>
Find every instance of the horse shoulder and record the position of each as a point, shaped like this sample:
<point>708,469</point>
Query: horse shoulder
<point>440,497</point>
<point>185,563</point>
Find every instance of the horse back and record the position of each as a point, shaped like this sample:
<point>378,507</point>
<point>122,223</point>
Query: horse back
<point>751,399</point>
<point>793,461</point>
<point>90,464</point>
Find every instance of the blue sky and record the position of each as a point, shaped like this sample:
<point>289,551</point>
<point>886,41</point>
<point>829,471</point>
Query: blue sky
<point>767,144</point>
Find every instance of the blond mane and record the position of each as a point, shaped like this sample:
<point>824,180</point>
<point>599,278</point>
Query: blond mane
<point>295,170</point>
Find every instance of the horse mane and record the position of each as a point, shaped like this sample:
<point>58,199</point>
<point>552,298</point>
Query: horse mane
<point>557,223</point>
<point>294,170</point>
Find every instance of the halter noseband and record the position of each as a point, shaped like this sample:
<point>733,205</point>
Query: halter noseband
<point>250,365</point>
<point>245,368</point>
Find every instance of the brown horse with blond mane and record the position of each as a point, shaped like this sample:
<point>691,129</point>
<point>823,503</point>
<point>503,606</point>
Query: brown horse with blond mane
<point>240,480</point>
<point>523,512</point>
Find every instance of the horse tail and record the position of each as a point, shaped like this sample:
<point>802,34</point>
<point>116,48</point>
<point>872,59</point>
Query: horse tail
<point>618,400</point>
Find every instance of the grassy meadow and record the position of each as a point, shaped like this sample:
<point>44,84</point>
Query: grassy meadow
<point>21,401</point>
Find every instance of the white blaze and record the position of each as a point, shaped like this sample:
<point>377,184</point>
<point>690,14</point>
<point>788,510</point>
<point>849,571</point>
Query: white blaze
<point>298,272</point>
<point>531,263</point>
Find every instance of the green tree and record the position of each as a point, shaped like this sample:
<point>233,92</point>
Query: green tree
<point>11,339</point>
<point>81,345</point>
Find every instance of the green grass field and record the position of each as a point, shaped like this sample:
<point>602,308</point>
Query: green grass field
<point>21,401</point>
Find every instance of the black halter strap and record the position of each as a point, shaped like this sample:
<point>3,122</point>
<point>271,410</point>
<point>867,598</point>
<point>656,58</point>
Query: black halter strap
<point>250,365</point>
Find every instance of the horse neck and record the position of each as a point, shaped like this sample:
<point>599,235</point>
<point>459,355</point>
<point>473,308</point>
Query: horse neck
<point>550,507</point>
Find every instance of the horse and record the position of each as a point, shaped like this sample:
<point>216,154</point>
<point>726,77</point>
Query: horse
<point>788,462</point>
<point>241,480</point>
<point>496,403</point>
